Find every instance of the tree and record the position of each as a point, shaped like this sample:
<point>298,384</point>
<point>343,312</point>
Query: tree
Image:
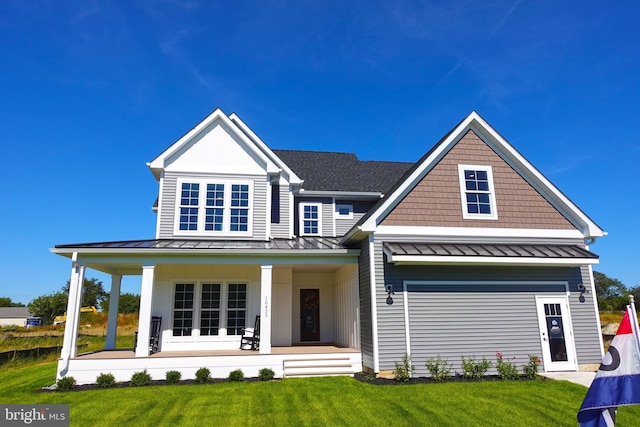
<point>93,294</point>
<point>6,302</point>
<point>49,306</point>
<point>612,293</point>
<point>129,303</point>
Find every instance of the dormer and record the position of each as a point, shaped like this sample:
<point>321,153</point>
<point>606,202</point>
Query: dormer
<point>219,181</point>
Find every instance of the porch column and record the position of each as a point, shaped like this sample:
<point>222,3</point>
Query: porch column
<point>114,301</point>
<point>70,340</point>
<point>144,318</point>
<point>266,278</point>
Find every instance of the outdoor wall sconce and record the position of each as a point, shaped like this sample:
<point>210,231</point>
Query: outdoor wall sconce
<point>390,292</point>
<point>583,290</point>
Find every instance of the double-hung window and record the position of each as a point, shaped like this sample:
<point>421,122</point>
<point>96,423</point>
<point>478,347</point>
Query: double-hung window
<point>310,219</point>
<point>209,309</point>
<point>477,192</point>
<point>189,201</point>
<point>213,207</point>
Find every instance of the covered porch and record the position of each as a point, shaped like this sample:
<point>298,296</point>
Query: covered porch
<point>305,293</point>
<point>293,361</point>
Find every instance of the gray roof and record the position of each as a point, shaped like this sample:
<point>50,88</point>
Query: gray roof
<point>300,243</point>
<point>332,171</point>
<point>489,250</point>
<point>11,312</point>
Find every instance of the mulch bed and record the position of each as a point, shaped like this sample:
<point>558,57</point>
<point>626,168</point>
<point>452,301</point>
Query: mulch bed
<point>362,377</point>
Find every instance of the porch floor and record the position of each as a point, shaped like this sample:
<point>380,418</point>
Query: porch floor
<point>297,349</point>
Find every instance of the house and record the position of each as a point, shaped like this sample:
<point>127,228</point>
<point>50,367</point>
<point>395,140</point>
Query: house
<point>14,316</point>
<point>350,264</point>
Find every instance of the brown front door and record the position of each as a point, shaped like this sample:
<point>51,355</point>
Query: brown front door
<point>309,314</point>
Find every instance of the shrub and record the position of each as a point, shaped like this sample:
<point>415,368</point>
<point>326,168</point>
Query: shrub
<point>140,379</point>
<point>506,369</point>
<point>65,383</point>
<point>106,380</point>
<point>404,369</point>
<point>266,374</point>
<point>531,368</point>
<point>473,368</point>
<point>439,369</point>
<point>173,377</point>
<point>203,375</point>
<point>236,375</point>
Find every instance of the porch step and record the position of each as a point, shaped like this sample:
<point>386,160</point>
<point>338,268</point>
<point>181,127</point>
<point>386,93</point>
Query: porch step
<point>308,367</point>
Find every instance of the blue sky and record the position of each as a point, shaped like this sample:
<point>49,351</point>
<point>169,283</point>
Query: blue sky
<point>92,90</point>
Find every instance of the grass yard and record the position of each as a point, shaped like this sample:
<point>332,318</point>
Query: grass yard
<point>329,401</point>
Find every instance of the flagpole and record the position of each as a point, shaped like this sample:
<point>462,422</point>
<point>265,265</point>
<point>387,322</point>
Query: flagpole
<point>635,326</point>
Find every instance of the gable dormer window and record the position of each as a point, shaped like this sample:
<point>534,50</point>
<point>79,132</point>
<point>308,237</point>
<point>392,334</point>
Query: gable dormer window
<point>477,192</point>
<point>310,219</point>
<point>213,208</point>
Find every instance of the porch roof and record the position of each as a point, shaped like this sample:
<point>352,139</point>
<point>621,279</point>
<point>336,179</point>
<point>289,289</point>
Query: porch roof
<point>128,256</point>
<point>474,253</point>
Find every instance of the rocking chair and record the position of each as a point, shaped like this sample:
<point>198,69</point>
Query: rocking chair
<point>154,334</point>
<point>251,337</point>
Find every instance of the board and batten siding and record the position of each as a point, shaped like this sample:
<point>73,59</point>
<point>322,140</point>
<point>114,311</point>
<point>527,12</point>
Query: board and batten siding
<point>347,307</point>
<point>436,329</point>
<point>169,196</point>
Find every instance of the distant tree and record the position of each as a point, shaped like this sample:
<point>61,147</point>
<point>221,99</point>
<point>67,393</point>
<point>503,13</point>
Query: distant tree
<point>93,294</point>
<point>49,306</point>
<point>612,293</point>
<point>6,302</point>
<point>129,303</point>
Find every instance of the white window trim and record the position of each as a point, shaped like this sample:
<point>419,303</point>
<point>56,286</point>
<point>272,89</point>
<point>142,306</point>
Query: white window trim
<point>202,197</point>
<point>338,215</point>
<point>463,192</point>
<point>301,218</point>
<point>197,310</point>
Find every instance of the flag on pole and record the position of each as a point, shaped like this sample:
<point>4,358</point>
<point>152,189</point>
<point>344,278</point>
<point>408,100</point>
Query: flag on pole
<point>617,382</point>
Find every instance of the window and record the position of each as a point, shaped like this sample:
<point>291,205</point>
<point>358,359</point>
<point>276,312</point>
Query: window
<point>213,208</point>
<point>477,192</point>
<point>183,310</point>
<point>239,199</point>
<point>209,309</point>
<point>236,309</point>
<point>189,206</point>
<point>310,219</point>
<point>214,215</point>
<point>344,211</point>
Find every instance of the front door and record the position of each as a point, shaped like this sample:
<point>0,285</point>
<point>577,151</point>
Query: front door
<point>309,314</point>
<point>558,352</point>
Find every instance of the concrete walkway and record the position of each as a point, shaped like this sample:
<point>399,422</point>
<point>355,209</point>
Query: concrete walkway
<point>582,378</point>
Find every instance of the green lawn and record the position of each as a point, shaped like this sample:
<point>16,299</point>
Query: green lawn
<point>327,401</point>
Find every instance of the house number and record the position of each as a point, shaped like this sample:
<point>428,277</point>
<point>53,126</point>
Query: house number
<point>266,306</point>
